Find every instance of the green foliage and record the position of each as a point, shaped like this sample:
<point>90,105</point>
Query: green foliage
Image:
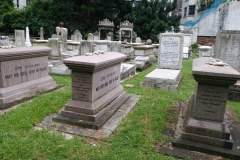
<point>5,7</point>
<point>82,15</point>
<point>152,17</point>
<point>149,18</point>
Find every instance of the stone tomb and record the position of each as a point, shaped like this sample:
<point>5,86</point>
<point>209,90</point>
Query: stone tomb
<point>203,124</point>
<point>96,90</point>
<point>4,41</point>
<point>168,74</point>
<point>23,73</point>
<point>205,51</point>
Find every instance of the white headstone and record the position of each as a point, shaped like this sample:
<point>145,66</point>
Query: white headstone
<point>138,40</point>
<point>187,40</point>
<point>170,51</point>
<point>19,38</point>
<point>77,36</point>
<point>90,37</point>
<point>64,35</point>
<point>28,42</point>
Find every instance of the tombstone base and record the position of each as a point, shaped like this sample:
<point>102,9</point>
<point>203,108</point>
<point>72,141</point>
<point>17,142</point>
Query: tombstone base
<point>104,132</point>
<point>234,92</point>
<point>205,136</point>
<point>165,79</point>
<point>92,114</point>
<point>12,95</point>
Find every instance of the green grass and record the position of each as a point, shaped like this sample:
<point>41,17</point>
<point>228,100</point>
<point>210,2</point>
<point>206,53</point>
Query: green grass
<point>135,138</point>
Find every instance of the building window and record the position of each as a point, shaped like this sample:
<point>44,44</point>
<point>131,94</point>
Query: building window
<point>191,10</point>
<point>185,12</point>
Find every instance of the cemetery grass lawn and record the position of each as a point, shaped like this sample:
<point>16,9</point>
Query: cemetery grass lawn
<point>136,137</point>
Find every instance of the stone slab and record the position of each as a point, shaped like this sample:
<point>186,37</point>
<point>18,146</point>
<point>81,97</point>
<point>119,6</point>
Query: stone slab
<point>165,79</point>
<point>201,68</point>
<point>127,70</point>
<point>60,70</point>
<point>15,94</point>
<point>102,133</point>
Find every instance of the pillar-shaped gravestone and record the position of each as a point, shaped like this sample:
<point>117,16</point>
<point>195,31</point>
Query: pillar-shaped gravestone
<point>96,90</point>
<point>19,38</point>
<point>23,73</point>
<point>168,74</point>
<point>64,36</point>
<point>227,48</point>
<point>204,124</point>
<point>28,41</point>
<point>41,34</point>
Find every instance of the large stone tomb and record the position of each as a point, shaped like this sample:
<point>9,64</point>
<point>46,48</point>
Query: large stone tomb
<point>96,90</point>
<point>203,124</point>
<point>23,73</point>
<point>168,74</point>
<point>227,48</point>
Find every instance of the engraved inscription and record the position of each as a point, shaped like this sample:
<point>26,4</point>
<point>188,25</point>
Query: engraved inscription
<point>169,55</point>
<point>210,102</point>
<point>81,86</point>
<point>23,70</point>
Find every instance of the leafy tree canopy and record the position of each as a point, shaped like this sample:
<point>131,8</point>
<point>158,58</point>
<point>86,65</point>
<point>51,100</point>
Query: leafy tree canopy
<point>149,17</point>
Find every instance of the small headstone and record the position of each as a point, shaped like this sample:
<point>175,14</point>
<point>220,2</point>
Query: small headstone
<point>77,36</point>
<point>138,40</point>
<point>54,36</point>
<point>41,34</point>
<point>72,37</point>
<point>205,51</point>
<point>4,41</point>
<point>90,37</point>
<point>96,36</point>
<point>19,38</point>
<point>86,47</point>
<point>55,45</point>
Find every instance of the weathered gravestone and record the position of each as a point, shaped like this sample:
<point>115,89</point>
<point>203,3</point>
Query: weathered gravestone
<point>168,74</point>
<point>4,41</point>
<point>86,47</point>
<point>77,36</point>
<point>203,124</point>
<point>90,37</point>
<point>55,46</point>
<point>19,38</point>
<point>138,40</point>
<point>96,90</point>
<point>227,48</point>
<point>23,73</point>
